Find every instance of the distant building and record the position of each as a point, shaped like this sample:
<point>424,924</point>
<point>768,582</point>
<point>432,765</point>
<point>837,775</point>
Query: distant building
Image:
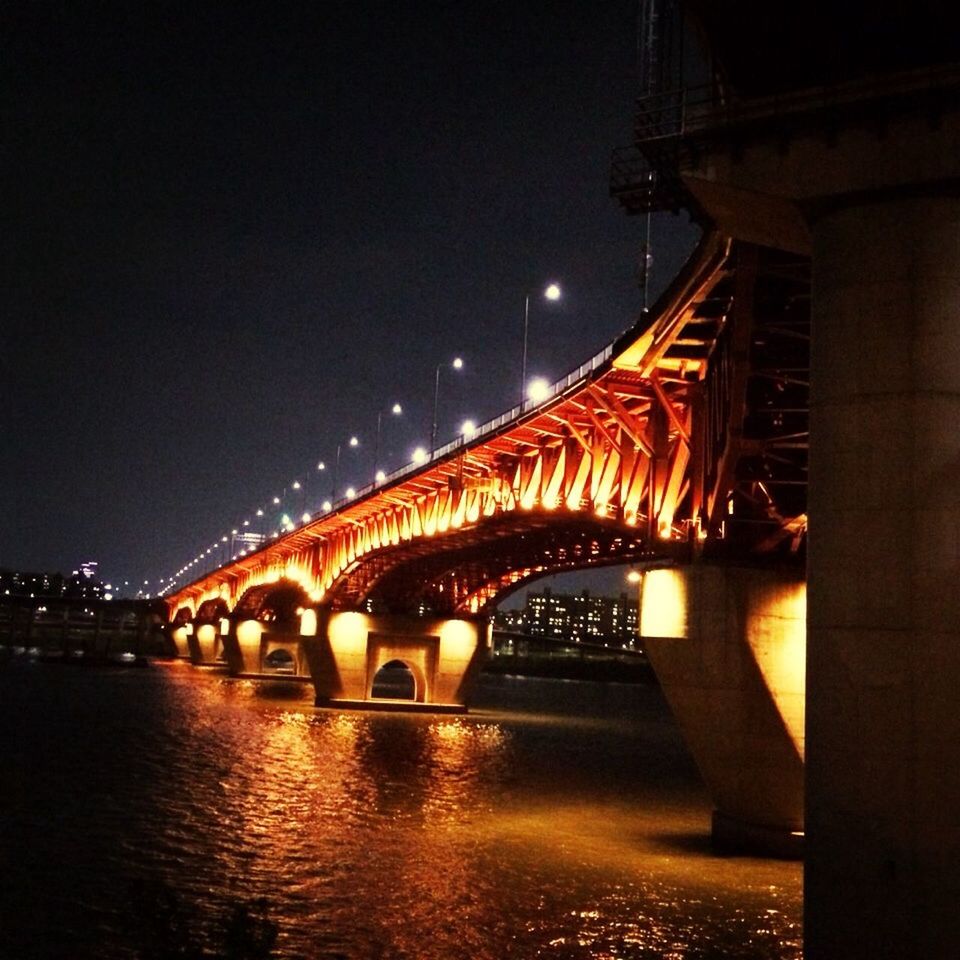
<point>81,584</point>
<point>16,583</point>
<point>573,616</point>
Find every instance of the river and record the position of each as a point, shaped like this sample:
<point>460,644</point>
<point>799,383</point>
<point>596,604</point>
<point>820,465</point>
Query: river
<point>558,819</point>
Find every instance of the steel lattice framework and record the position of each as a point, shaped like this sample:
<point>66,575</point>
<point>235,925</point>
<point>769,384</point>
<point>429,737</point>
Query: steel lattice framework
<point>686,435</point>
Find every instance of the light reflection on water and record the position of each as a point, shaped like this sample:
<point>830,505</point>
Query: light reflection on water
<point>557,820</point>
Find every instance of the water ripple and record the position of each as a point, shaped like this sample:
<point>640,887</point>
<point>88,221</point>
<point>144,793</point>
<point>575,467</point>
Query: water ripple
<point>551,831</point>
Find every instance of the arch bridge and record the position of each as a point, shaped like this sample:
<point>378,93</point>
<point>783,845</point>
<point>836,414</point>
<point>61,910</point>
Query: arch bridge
<point>681,444</point>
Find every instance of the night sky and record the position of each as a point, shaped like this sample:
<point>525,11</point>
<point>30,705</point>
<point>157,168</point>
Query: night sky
<point>228,239</point>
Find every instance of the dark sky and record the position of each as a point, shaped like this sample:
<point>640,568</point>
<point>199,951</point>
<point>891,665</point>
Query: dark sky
<point>228,239</point>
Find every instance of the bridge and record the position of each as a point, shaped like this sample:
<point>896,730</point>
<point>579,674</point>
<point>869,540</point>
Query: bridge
<point>682,445</point>
<point>683,448</point>
<point>644,452</point>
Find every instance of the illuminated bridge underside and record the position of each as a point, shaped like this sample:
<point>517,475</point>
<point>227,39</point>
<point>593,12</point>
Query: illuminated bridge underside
<point>475,566</point>
<point>688,435</point>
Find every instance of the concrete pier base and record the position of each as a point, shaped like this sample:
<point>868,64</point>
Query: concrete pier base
<point>733,835</point>
<point>249,644</point>
<point>727,645</point>
<point>443,654</point>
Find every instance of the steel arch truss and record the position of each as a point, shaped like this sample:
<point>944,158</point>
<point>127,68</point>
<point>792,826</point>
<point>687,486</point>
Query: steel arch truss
<point>690,435</point>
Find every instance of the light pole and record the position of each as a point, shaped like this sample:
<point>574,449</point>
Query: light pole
<point>321,466</point>
<point>457,364</point>
<point>353,442</point>
<point>551,292</point>
<point>396,410</point>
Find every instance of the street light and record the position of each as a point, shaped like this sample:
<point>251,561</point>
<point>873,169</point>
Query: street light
<point>538,389</point>
<point>551,292</point>
<point>457,364</point>
<point>396,410</point>
<point>353,442</point>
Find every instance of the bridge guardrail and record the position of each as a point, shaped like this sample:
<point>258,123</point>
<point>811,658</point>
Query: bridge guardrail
<point>686,111</point>
<point>484,430</point>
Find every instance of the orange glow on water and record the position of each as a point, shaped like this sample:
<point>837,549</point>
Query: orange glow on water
<point>526,832</point>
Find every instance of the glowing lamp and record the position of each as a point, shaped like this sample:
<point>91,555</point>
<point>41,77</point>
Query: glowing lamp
<point>538,389</point>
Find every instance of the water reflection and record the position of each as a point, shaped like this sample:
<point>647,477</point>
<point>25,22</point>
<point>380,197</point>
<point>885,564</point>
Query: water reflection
<point>566,831</point>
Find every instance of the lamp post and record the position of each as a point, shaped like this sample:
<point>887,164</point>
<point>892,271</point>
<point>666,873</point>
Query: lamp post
<point>457,364</point>
<point>321,466</point>
<point>396,410</point>
<point>353,442</point>
<point>551,292</point>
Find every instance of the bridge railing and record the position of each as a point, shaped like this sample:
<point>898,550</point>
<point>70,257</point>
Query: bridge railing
<point>485,429</point>
<point>687,111</point>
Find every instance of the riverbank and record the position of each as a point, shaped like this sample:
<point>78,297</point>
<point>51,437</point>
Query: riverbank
<point>615,670</point>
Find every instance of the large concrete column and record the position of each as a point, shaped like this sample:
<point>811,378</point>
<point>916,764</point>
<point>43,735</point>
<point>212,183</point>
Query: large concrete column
<point>883,711</point>
<point>241,647</point>
<point>727,645</point>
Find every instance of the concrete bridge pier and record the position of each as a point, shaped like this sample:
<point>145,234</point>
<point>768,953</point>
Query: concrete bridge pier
<point>248,644</point>
<point>444,656</point>
<point>883,869</point>
<point>873,194</point>
<point>727,645</point>
<point>236,657</point>
<point>180,640</point>
<point>202,643</point>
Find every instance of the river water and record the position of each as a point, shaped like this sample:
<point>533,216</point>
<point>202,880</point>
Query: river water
<point>559,819</point>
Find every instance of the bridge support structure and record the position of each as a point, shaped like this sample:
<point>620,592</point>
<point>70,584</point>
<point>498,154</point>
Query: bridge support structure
<point>249,644</point>
<point>443,654</point>
<point>884,727</point>
<point>872,193</point>
<point>728,647</point>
